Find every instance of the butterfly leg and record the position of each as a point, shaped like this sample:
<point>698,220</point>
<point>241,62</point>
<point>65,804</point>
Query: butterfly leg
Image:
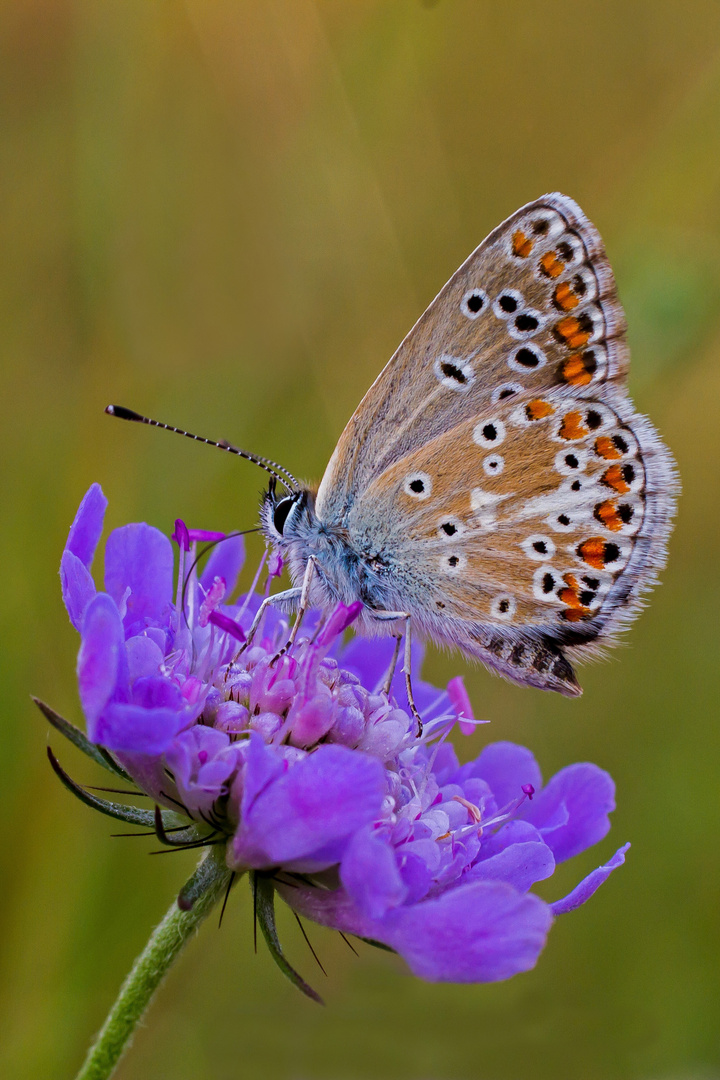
<point>393,664</point>
<point>302,608</point>
<point>287,596</point>
<point>390,616</point>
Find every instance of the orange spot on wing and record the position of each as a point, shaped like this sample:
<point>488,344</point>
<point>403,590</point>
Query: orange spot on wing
<point>550,265</point>
<point>571,596</point>
<point>614,478</point>
<point>592,552</point>
<point>606,448</point>
<point>522,245</point>
<point>564,297</point>
<point>572,426</point>
<point>572,332</point>
<point>538,409</point>
<point>578,370</point>
<point>606,513</point>
<point>575,614</point>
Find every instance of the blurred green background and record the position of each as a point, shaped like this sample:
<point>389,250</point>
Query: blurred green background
<point>227,214</point>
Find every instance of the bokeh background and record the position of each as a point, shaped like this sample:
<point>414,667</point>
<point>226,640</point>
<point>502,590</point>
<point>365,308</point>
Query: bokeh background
<point>227,214</point>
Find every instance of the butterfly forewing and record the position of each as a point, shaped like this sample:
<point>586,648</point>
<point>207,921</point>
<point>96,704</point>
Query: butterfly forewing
<point>535,306</point>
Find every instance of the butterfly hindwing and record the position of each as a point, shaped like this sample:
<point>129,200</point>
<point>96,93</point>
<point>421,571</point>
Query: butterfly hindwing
<point>533,527</point>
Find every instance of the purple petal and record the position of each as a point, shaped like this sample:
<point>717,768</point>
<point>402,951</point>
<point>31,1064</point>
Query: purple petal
<point>134,729</point>
<point>311,721</point>
<point>445,762</point>
<point>262,767</point>
<point>78,587</point>
<point>506,767</point>
<point>144,657</point>
<point>140,558</point>
<point>200,765</point>
<point>153,692</point>
<point>86,529</point>
<point>513,832</point>
<point>520,865</point>
<point>225,561</point>
<point>572,811</point>
<point>339,621</point>
<point>100,658</point>
<point>416,876</point>
<point>370,874</point>
<point>589,885</point>
<point>323,798</point>
<point>481,932</point>
<point>368,659</point>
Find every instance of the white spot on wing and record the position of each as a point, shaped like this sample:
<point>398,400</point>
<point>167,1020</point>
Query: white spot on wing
<point>417,485</point>
<point>489,433</point>
<point>454,372</point>
<point>503,607</point>
<point>538,547</point>
<point>493,464</point>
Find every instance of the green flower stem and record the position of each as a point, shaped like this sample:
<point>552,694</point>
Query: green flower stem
<point>209,881</point>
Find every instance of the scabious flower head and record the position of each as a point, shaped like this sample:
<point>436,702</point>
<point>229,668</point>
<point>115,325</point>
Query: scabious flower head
<point>308,772</point>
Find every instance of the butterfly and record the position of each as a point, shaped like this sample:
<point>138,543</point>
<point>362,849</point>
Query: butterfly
<point>495,489</point>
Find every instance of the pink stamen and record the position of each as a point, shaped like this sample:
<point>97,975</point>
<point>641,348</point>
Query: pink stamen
<point>214,596</point>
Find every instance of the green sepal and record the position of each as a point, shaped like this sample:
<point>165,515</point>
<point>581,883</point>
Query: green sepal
<point>132,814</point>
<point>377,944</point>
<point>263,889</point>
<point>203,879</point>
<point>77,738</point>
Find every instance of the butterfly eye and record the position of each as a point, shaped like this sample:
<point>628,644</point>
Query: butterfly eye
<point>280,513</point>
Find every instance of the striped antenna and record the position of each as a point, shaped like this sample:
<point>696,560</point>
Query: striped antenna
<point>281,475</point>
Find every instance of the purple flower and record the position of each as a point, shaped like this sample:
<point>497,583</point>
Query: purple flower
<point>308,772</point>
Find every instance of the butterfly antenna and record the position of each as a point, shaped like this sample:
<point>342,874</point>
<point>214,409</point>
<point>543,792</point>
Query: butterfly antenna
<point>281,475</point>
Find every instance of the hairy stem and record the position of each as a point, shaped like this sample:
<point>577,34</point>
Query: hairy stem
<point>168,939</point>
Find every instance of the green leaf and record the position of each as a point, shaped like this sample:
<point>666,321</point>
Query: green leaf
<point>263,889</point>
<point>132,814</point>
<point>79,739</point>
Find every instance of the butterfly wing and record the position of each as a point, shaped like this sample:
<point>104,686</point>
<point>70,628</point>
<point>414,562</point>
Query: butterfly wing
<point>535,306</point>
<point>532,528</point>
